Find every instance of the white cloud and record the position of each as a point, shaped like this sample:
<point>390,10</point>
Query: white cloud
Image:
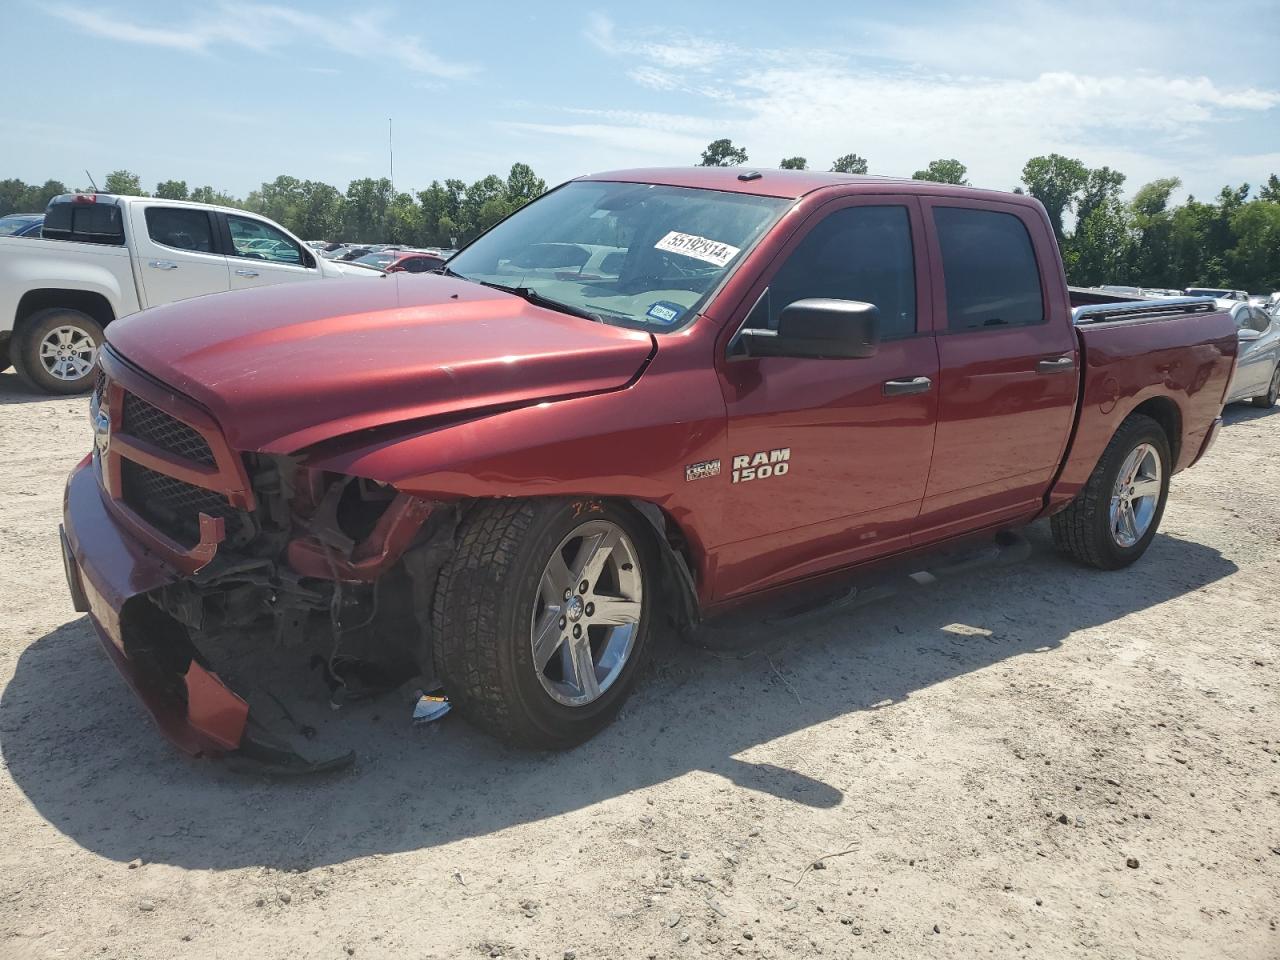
<point>617,140</point>
<point>265,28</point>
<point>671,51</point>
<point>919,99</point>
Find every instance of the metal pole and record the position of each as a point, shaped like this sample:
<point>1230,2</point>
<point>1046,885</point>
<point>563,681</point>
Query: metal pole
<point>392,154</point>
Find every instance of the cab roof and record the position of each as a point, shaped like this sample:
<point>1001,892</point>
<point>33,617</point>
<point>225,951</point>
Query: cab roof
<point>788,184</point>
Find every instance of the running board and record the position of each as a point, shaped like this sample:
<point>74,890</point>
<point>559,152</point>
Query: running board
<point>1008,548</point>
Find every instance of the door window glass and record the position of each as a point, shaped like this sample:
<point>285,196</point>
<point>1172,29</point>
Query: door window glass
<point>182,228</point>
<point>989,268</point>
<point>255,240</point>
<point>858,253</point>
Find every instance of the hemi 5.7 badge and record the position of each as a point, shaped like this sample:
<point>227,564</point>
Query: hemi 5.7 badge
<point>699,471</point>
<point>761,465</point>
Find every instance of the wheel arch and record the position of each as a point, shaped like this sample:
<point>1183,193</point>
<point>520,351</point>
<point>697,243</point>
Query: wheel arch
<point>677,560</point>
<point>96,305</point>
<point>1166,413</point>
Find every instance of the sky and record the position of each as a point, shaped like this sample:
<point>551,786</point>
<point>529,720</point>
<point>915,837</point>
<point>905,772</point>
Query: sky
<point>231,93</point>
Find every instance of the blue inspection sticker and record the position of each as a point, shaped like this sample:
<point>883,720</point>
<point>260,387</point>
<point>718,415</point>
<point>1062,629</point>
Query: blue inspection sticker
<point>665,312</point>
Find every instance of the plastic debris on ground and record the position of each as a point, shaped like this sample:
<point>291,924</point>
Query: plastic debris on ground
<point>430,707</point>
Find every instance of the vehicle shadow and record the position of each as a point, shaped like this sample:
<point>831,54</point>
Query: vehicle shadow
<point>14,391</point>
<point>81,749</point>
<point>1234,413</point>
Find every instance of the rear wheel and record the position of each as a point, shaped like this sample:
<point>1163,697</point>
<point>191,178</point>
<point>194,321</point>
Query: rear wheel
<point>1114,518</point>
<point>56,350</point>
<point>542,618</point>
<point>1268,399</point>
<point>5,340</point>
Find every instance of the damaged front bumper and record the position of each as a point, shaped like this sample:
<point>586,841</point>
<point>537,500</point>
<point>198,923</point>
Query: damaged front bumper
<point>109,575</point>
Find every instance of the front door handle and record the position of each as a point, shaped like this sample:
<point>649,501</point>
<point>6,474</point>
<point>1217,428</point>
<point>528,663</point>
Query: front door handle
<point>1056,365</point>
<point>907,386</point>
<point>246,273</point>
<point>162,264</point>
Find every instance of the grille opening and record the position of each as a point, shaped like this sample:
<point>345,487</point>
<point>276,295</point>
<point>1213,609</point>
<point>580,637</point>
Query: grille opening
<point>147,422</point>
<point>174,506</point>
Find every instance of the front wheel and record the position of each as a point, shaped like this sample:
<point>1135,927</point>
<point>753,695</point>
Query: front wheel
<point>56,350</point>
<point>1268,400</point>
<point>1113,520</point>
<point>542,617</point>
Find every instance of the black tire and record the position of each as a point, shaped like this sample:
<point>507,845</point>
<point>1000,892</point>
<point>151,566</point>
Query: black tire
<point>25,349</point>
<point>1083,529</point>
<point>482,613</point>
<point>4,352</point>
<point>1268,399</point>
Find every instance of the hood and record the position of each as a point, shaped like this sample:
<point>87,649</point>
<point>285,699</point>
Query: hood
<point>287,366</point>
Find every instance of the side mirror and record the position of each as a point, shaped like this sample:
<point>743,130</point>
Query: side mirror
<point>1246,334</point>
<point>817,328</point>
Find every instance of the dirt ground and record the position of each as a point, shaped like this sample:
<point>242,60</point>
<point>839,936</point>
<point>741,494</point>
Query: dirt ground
<point>978,762</point>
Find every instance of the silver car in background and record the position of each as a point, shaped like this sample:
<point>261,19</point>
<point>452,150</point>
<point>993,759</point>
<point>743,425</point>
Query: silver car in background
<point>1257,376</point>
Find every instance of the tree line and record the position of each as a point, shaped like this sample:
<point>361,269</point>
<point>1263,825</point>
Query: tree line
<point>370,211</point>
<point>1149,240</point>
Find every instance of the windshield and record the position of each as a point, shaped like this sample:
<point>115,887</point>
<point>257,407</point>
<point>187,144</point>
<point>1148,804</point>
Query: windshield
<point>378,260</point>
<point>11,225</point>
<point>637,254</point>
<point>1206,292</point>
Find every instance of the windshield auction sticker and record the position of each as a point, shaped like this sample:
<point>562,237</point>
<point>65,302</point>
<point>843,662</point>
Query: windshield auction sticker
<point>700,248</point>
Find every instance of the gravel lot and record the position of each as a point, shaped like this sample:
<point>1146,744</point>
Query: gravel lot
<point>978,761</point>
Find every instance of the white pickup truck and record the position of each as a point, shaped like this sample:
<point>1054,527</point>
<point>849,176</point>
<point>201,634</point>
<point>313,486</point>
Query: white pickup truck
<point>102,257</point>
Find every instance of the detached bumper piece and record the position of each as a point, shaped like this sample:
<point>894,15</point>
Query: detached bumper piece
<point>190,704</point>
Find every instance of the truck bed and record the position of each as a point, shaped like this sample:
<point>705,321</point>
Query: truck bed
<point>1170,359</point>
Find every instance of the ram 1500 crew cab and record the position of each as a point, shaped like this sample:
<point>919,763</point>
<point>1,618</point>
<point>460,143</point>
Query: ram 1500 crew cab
<point>101,257</point>
<point>648,394</point>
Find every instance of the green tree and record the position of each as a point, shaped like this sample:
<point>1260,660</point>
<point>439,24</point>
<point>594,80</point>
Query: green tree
<point>1153,234</point>
<point>404,220</point>
<point>943,171</point>
<point>318,212</point>
<point>207,194</point>
<point>1254,261</point>
<point>1101,185</point>
<point>722,153</point>
<point>524,185</point>
<point>172,190</point>
<point>124,183</point>
<point>1054,181</point>
<point>365,212</point>
<point>13,194</point>
<point>793,163</point>
<point>1270,191</point>
<point>849,163</point>
<point>1099,251</point>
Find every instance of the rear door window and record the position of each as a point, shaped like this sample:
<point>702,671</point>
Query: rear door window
<point>990,270</point>
<point>180,227</point>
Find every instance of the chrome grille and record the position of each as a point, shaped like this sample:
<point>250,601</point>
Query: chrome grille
<point>147,422</point>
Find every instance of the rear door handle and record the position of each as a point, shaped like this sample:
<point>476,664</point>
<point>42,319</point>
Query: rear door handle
<point>1056,365</point>
<point>246,273</point>
<point>162,264</point>
<point>907,386</point>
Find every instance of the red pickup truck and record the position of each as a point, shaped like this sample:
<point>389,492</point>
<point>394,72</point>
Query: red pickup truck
<point>648,395</point>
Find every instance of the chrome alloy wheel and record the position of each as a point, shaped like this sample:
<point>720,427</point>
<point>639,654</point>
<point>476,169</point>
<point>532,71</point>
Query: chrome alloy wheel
<point>68,352</point>
<point>1135,496</point>
<point>586,615</point>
